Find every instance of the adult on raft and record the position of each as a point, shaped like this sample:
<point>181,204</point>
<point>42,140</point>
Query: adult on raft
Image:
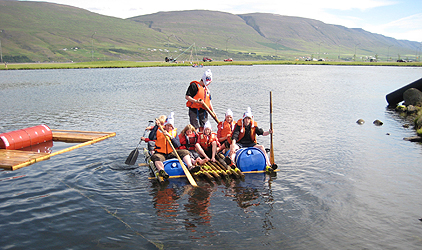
<point>197,95</point>
<point>244,135</point>
<point>163,150</point>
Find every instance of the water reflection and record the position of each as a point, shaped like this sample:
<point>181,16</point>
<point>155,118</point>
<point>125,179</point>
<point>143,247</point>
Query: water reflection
<point>178,202</point>
<point>45,147</point>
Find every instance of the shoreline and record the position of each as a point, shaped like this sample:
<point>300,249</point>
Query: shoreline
<point>133,64</point>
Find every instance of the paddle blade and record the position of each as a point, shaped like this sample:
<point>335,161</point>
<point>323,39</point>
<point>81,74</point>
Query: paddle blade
<point>133,156</point>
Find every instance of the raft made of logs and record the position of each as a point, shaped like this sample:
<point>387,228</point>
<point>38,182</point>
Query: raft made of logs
<point>16,146</point>
<point>249,160</point>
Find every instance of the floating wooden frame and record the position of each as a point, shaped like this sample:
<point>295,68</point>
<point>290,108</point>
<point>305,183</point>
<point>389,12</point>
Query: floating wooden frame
<point>16,159</point>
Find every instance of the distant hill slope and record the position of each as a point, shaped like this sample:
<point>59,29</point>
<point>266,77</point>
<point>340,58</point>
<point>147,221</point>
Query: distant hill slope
<point>47,32</point>
<point>206,28</point>
<point>40,31</point>
<point>306,34</point>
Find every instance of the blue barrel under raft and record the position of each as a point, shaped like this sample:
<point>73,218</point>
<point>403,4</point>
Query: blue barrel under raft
<point>250,159</point>
<point>173,167</point>
<point>247,160</point>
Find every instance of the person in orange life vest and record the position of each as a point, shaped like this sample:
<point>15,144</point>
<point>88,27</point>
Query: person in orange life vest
<point>244,135</point>
<point>197,95</point>
<point>163,150</point>
<point>225,130</point>
<point>188,139</point>
<point>208,144</point>
<point>152,136</point>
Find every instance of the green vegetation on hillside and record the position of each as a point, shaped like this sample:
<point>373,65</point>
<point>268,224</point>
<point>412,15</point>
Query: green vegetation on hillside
<point>46,32</point>
<point>131,64</point>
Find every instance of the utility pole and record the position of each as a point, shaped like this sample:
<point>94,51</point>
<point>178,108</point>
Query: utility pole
<point>226,45</point>
<point>388,55</point>
<point>276,46</point>
<point>92,46</point>
<point>354,58</point>
<point>168,44</point>
<point>1,51</point>
<point>319,51</point>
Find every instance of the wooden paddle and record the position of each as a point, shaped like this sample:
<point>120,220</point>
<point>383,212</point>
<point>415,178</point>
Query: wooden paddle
<point>213,115</point>
<point>185,169</point>
<point>133,156</point>
<point>271,127</point>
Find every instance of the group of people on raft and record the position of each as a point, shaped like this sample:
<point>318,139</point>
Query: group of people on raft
<point>197,143</point>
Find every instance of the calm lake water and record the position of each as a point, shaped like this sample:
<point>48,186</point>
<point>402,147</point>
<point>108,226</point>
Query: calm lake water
<point>340,185</point>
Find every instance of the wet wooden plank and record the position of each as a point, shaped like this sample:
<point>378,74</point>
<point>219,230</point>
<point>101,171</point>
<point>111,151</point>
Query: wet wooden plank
<point>10,159</point>
<point>77,136</point>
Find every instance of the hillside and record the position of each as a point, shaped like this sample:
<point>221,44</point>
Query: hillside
<point>205,28</point>
<point>52,32</point>
<point>312,35</point>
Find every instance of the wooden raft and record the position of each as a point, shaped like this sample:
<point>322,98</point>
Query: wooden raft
<point>15,159</point>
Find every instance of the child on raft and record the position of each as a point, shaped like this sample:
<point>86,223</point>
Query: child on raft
<point>208,144</point>
<point>244,135</point>
<point>164,151</point>
<point>188,139</point>
<point>225,130</point>
<point>152,136</point>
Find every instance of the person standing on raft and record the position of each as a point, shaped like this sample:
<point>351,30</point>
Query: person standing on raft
<point>244,135</point>
<point>163,150</point>
<point>197,95</point>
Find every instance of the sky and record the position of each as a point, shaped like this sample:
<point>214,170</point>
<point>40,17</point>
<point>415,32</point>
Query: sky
<point>400,19</point>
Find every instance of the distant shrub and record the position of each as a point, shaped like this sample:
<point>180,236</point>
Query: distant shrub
<point>16,59</point>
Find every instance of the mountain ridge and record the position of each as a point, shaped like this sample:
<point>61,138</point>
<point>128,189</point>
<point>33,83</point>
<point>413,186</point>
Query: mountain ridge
<point>54,32</point>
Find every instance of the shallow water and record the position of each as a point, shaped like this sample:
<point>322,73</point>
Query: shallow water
<point>340,185</point>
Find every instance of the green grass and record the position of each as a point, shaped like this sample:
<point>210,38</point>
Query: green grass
<point>131,64</point>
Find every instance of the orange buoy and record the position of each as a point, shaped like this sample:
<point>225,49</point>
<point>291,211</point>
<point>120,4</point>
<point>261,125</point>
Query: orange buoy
<point>25,137</point>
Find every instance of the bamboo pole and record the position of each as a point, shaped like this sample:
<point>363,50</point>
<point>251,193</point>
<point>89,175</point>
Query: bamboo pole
<point>271,127</point>
<point>213,115</point>
<point>185,169</point>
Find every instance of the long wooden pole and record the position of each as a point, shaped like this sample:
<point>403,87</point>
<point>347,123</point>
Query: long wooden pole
<point>271,127</point>
<point>185,169</point>
<point>213,115</point>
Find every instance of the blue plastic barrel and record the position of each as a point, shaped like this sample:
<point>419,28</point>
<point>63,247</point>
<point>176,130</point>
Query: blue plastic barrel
<point>250,159</point>
<point>173,167</point>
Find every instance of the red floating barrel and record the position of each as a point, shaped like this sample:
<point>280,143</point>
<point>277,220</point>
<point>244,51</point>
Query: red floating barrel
<point>26,137</point>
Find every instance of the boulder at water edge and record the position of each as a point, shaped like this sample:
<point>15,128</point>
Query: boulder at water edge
<point>412,96</point>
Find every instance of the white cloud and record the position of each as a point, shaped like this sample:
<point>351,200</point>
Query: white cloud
<point>407,28</point>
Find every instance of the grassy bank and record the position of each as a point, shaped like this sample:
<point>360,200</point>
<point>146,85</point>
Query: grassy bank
<point>131,64</point>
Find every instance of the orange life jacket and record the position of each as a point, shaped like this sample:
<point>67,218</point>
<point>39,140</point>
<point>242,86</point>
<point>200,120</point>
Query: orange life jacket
<point>203,94</point>
<point>206,140</point>
<point>161,144</point>
<point>188,141</point>
<point>225,129</point>
<point>242,131</point>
